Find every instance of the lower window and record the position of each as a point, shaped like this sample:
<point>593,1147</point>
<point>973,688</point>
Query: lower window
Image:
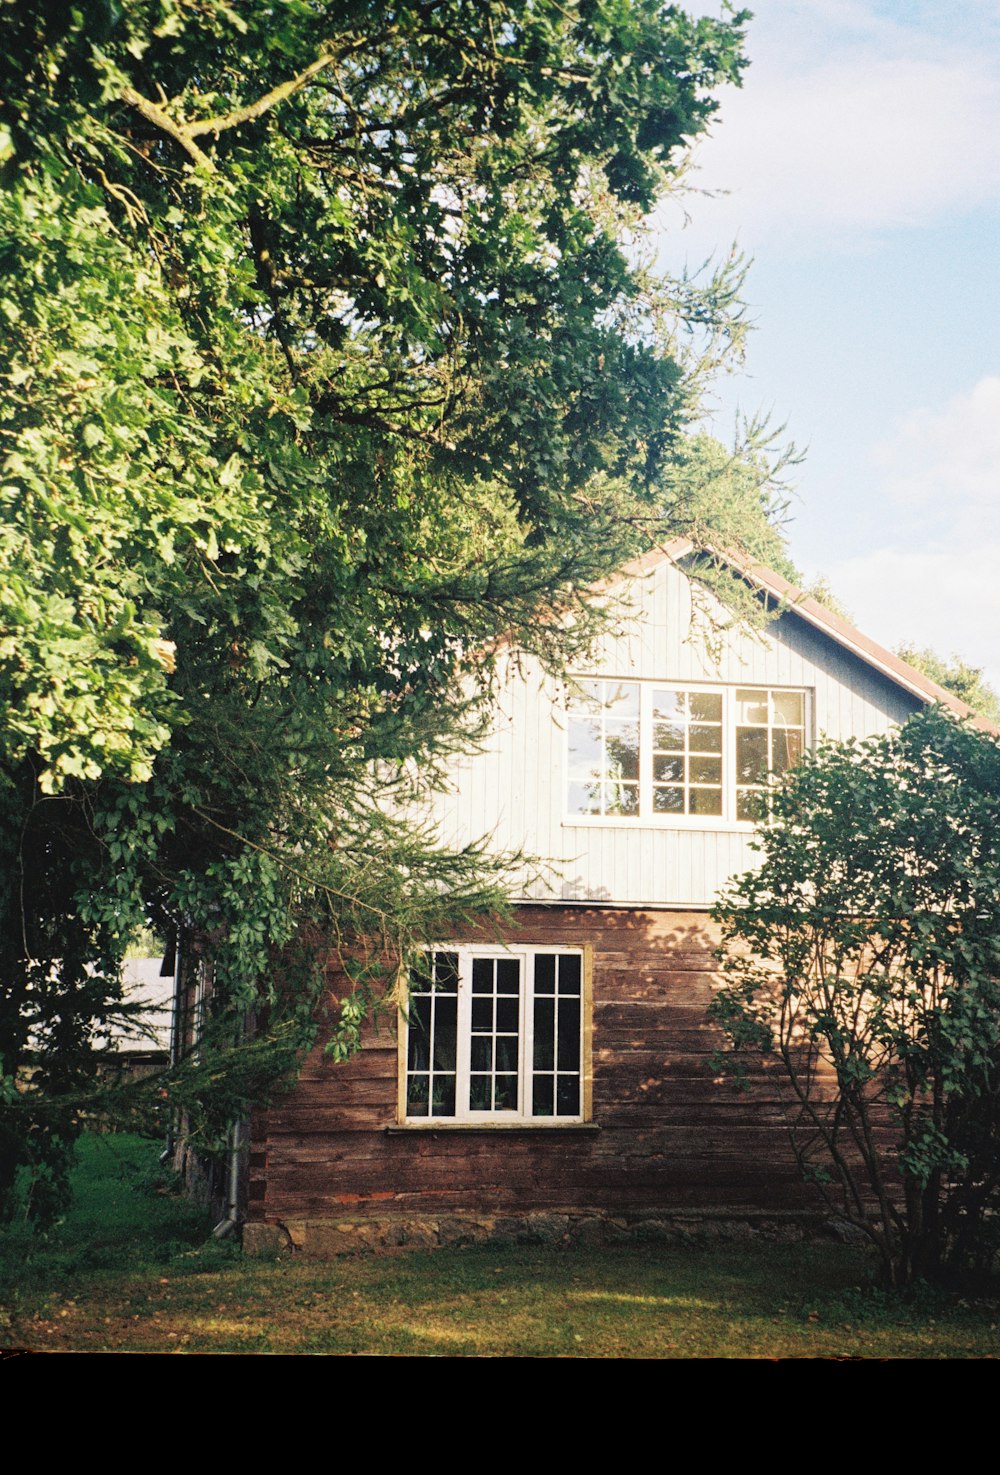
<point>496,1035</point>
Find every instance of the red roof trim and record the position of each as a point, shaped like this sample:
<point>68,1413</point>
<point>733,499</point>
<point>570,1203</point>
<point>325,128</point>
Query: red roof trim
<point>808,609</point>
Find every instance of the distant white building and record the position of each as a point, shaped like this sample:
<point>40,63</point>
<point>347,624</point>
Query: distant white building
<point>147,1039</point>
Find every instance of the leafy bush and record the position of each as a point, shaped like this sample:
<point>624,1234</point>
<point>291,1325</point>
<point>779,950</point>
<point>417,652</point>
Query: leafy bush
<point>864,955</point>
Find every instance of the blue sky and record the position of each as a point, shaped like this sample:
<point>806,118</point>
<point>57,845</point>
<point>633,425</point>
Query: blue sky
<point>862,171</point>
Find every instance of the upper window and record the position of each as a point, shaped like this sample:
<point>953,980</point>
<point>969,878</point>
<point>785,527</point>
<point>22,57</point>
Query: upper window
<point>646,750</point>
<point>496,1035</point>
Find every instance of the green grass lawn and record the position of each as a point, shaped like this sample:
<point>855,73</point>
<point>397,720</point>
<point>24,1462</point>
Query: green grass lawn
<point>131,1269</point>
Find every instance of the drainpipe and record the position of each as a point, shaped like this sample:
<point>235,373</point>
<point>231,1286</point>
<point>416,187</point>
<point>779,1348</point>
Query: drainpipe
<point>176,1025</point>
<point>230,1222</point>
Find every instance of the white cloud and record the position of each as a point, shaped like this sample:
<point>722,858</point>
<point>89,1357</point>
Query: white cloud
<point>945,598</point>
<point>950,457</point>
<point>848,124</point>
<point>936,580</point>
<point>867,124</point>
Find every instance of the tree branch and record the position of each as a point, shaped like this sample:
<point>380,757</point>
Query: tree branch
<point>161,119</point>
<point>186,133</point>
<point>263,104</point>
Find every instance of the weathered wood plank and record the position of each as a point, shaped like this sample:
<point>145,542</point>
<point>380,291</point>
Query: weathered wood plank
<point>672,1133</point>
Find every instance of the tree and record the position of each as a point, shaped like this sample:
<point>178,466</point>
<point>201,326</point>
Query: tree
<point>329,356</point>
<point>864,957</point>
<point>820,590</point>
<point>955,675</point>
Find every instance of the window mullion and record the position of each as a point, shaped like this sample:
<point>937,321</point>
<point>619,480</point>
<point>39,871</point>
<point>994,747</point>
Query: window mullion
<point>645,751</point>
<point>527,1032</point>
<point>728,754</point>
<point>463,1048</point>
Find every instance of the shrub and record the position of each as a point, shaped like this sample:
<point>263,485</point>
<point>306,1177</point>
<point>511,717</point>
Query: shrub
<point>864,956</point>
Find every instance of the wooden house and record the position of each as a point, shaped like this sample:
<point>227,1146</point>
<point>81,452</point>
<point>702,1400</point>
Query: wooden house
<point>557,1082</point>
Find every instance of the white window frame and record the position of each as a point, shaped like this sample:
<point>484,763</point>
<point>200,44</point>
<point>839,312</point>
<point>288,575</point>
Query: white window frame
<point>647,817</point>
<point>521,1117</point>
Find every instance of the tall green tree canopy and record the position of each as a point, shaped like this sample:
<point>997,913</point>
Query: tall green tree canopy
<point>329,354</point>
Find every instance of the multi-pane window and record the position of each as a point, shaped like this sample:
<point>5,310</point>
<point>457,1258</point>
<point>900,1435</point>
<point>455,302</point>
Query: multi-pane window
<point>687,751</point>
<point>604,749</point>
<point>432,1044</point>
<point>496,1035</point>
<point>652,751</point>
<point>557,1025</point>
<point>770,739</point>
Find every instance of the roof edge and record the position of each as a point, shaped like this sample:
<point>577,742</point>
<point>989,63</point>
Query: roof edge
<point>797,602</point>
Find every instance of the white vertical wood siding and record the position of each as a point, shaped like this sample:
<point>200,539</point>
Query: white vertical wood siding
<point>514,791</point>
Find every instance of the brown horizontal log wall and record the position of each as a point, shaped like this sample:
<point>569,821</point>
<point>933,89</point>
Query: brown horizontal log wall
<point>671,1136</point>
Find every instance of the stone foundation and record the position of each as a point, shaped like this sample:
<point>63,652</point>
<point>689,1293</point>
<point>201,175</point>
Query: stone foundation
<point>327,1238</point>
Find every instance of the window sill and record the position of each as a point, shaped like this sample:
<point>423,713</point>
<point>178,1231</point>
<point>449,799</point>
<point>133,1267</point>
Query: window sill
<point>401,1129</point>
<point>680,824</point>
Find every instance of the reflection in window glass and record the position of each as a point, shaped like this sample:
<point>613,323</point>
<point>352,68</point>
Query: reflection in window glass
<point>495,1039</point>
<point>432,1037</point>
<point>687,752</point>
<point>604,748</point>
<point>555,1089</point>
<point>770,739</point>
<point>495,1035</point>
<point>637,750</point>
